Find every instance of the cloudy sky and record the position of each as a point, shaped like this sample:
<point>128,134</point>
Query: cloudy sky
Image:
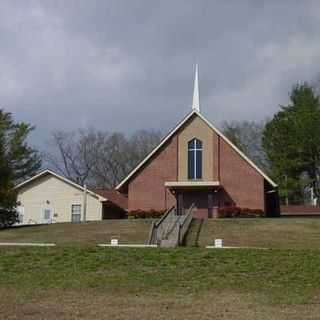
<point>126,65</point>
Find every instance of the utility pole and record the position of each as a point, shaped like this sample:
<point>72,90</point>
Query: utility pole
<point>84,204</point>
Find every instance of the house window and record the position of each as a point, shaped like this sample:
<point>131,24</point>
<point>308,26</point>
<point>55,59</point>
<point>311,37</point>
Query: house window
<point>76,213</point>
<point>194,159</point>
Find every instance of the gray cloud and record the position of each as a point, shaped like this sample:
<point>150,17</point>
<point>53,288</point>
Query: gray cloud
<point>125,65</point>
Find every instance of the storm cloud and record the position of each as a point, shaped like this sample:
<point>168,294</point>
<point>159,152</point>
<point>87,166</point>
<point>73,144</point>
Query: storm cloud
<point>127,65</point>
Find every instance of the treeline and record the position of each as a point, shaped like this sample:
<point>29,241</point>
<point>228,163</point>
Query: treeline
<point>98,158</point>
<point>287,147</point>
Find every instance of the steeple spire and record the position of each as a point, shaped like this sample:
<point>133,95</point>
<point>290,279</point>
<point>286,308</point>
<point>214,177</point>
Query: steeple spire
<point>196,99</point>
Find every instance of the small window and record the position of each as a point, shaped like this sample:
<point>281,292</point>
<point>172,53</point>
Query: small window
<point>76,213</point>
<point>194,159</point>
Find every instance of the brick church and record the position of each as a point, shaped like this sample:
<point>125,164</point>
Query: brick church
<point>196,163</point>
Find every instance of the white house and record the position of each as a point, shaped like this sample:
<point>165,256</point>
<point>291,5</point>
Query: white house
<point>49,198</point>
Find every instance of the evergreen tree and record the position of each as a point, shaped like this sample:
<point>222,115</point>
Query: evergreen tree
<point>18,161</point>
<point>292,143</point>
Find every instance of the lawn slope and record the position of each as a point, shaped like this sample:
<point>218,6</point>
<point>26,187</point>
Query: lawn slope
<point>91,233</point>
<point>186,283</point>
<point>294,233</point>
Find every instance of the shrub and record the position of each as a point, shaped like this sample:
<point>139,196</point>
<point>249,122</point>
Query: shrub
<point>237,212</point>
<point>141,214</point>
<point>229,212</point>
<point>251,213</point>
<point>8,217</point>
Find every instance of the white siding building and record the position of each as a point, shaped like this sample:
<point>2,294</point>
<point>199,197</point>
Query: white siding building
<point>50,198</point>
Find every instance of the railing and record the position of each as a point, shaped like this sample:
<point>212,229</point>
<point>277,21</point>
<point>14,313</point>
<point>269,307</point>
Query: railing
<point>171,227</point>
<point>161,228</point>
<point>185,224</point>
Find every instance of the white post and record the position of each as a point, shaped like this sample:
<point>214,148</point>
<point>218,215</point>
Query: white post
<point>84,204</point>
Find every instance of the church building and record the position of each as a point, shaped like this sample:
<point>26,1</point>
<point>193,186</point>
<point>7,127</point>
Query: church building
<point>196,164</point>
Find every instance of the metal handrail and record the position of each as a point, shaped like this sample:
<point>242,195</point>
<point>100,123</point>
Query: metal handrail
<point>153,235</point>
<point>184,225</point>
<point>164,216</point>
<point>171,226</point>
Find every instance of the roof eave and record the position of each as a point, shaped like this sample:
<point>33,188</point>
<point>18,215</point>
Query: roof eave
<point>168,136</point>
<point>47,171</point>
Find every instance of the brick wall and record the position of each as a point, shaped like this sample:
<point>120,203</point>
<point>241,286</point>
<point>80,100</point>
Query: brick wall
<point>301,209</point>
<point>241,182</point>
<point>146,188</point>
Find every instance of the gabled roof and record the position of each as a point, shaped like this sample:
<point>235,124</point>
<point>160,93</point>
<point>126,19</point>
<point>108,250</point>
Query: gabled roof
<point>113,196</point>
<point>49,172</point>
<point>174,130</point>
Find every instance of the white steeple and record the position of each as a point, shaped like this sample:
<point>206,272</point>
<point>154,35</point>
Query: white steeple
<point>196,99</point>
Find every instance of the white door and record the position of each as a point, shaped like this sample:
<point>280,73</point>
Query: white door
<point>46,215</point>
<point>20,210</point>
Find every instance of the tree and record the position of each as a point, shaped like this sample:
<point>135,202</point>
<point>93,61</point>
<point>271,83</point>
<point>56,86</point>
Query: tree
<point>141,143</point>
<point>18,161</point>
<point>113,160</point>
<point>74,154</point>
<point>247,136</point>
<point>98,158</point>
<point>292,142</point>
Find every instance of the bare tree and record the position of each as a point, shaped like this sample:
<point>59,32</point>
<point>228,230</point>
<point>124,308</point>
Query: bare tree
<point>112,161</point>
<point>73,154</point>
<point>141,143</point>
<point>97,157</point>
<point>247,136</point>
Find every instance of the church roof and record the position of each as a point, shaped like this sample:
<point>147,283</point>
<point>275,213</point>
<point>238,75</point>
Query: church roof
<point>174,130</point>
<point>113,196</point>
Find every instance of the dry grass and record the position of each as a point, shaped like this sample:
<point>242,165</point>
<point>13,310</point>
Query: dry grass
<point>91,233</point>
<point>282,233</point>
<point>129,284</point>
<point>91,305</point>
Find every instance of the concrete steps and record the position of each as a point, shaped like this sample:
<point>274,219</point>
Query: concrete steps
<point>168,243</point>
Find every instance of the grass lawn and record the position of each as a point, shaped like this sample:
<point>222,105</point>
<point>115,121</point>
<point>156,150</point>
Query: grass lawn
<point>91,233</point>
<point>286,232</point>
<point>186,283</point>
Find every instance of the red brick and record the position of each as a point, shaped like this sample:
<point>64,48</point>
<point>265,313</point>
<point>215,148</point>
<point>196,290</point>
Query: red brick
<point>146,189</point>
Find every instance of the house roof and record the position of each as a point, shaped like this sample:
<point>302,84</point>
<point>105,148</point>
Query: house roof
<point>101,194</point>
<point>56,175</point>
<point>113,196</point>
<point>174,130</point>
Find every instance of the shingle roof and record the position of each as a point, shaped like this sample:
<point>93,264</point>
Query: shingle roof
<point>113,196</point>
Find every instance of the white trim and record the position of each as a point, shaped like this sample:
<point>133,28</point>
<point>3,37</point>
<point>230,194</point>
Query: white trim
<point>194,149</point>
<point>236,149</point>
<point>163,141</point>
<point>192,184</point>
<point>47,171</point>
<point>174,130</point>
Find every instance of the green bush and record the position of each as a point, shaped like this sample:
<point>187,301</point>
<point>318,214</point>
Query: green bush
<point>237,212</point>
<point>141,214</point>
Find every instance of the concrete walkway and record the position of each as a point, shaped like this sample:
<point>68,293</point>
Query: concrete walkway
<point>214,247</point>
<point>127,245</point>
<point>27,244</point>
